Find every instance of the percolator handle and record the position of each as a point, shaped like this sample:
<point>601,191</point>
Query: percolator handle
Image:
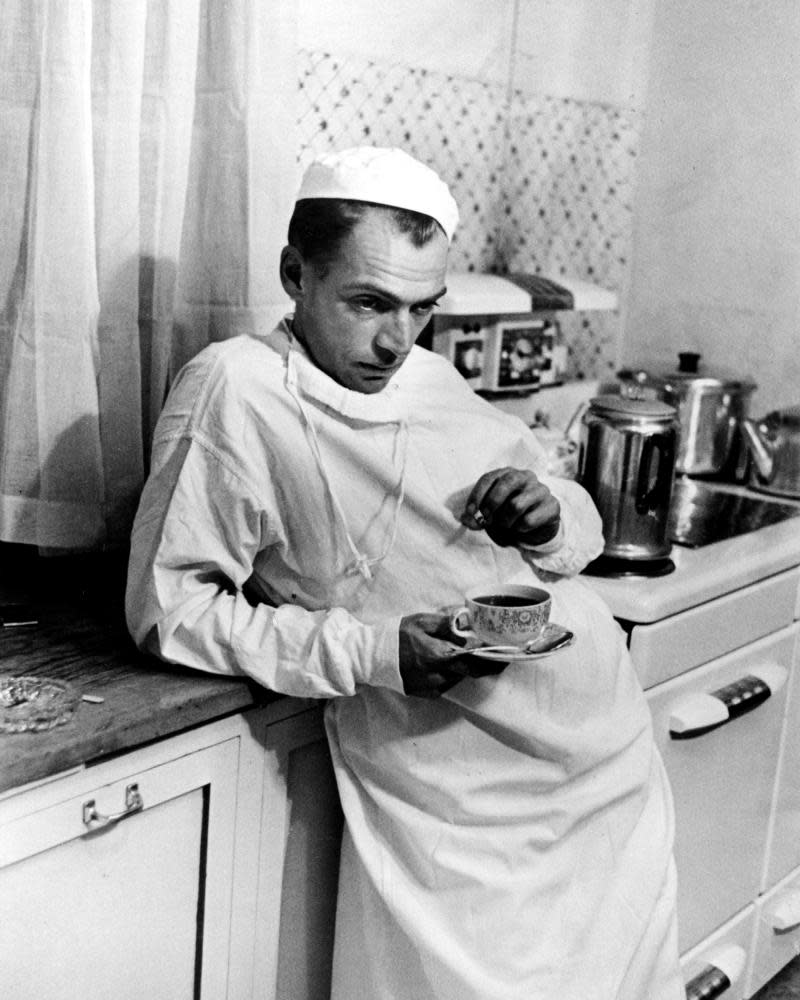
<point>649,498</point>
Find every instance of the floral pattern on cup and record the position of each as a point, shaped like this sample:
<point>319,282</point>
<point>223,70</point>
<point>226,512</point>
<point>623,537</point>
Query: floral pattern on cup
<point>512,614</point>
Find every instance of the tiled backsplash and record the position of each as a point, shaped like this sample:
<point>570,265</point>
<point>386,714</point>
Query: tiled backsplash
<point>544,185</point>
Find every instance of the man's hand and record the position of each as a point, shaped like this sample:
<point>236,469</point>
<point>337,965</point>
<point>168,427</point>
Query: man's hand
<point>513,507</point>
<point>430,662</point>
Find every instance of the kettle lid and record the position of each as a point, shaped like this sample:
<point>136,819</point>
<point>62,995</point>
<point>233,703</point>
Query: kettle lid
<point>690,369</point>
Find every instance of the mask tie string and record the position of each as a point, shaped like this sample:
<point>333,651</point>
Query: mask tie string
<point>362,563</point>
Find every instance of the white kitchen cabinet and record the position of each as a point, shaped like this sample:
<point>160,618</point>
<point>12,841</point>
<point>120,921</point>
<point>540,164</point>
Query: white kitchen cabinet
<point>115,881</point>
<point>722,775</point>
<point>203,865</point>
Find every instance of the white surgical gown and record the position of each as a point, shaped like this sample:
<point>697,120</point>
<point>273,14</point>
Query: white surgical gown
<point>511,840</point>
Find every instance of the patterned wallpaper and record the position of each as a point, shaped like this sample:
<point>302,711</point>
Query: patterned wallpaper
<point>543,184</point>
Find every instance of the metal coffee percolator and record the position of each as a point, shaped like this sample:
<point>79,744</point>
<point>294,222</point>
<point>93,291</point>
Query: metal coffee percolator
<point>626,462</point>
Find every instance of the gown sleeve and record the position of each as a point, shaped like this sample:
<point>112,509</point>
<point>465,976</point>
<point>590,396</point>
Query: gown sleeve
<point>580,536</point>
<point>197,531</point>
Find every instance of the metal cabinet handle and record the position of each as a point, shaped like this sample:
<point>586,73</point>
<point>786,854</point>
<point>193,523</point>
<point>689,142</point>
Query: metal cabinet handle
<point>94,820</point>
<point>701,712</point>
<point>723,970</point>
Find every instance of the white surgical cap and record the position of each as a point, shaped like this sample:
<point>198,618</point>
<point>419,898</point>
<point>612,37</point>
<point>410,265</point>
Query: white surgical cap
<point>383,176</point>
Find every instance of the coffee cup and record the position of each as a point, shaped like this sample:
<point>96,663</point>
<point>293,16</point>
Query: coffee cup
<point>502,614</point>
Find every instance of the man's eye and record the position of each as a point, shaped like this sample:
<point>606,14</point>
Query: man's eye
<point>368,303</point>
<point>425,309</point>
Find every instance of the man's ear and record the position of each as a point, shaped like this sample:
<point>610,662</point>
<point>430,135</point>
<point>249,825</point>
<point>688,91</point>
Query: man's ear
<point>291,271</point>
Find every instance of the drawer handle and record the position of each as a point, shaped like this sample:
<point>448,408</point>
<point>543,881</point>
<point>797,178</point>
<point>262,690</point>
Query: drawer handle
<point>703,711</point>
<point>722,971</point>
<point>94,820</point>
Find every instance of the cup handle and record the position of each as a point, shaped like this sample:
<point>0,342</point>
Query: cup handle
<point>456,629</point>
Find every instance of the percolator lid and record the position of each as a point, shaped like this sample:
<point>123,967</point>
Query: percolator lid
<point>625,406</point>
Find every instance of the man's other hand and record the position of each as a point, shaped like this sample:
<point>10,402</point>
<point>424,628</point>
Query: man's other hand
<point>513,507</point>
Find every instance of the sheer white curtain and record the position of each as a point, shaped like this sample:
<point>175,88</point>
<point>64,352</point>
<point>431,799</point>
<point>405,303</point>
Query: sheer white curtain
<point>147,170</point>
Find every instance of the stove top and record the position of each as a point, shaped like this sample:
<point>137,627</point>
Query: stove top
<point>701,514</point>
<point>723,537</point>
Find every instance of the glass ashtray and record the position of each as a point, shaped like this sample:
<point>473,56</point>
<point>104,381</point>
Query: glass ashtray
<point>33,704</point>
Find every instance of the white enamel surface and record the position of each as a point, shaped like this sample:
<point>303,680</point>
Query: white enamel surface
<point>703,574</point>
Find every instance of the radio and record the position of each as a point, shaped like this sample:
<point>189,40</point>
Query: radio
<point>502,334</point>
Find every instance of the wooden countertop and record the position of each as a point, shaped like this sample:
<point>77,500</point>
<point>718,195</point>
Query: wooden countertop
<point>81,638</point>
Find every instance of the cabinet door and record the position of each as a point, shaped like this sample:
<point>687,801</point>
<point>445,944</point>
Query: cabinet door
<point>722,768</point>
<point>123,890</point>
<point>299,865</point>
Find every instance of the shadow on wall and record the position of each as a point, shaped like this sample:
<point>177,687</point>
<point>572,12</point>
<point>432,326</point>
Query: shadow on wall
<point>59,504</point>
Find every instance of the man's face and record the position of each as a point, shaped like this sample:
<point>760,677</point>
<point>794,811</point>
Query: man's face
<point>361,318</point>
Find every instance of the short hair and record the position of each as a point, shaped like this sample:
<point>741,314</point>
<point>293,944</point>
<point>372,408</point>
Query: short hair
<point>319,226</point>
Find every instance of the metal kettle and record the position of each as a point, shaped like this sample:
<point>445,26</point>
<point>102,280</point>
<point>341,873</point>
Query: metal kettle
<point>710,405</point>
<point>774,448</point>
<point>626,462</point>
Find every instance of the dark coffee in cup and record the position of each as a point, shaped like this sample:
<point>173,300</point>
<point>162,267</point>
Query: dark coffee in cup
<point>502,601</point>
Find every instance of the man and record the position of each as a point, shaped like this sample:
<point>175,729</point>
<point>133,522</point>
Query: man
<point>319,498</point>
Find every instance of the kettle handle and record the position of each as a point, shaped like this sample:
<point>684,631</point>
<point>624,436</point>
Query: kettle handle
<point>650,498</point>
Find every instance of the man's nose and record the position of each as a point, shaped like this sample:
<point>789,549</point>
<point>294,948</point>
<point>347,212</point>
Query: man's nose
<point>396,334</point>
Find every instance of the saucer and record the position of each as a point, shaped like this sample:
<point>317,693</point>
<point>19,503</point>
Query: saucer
<point>553,636</point>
